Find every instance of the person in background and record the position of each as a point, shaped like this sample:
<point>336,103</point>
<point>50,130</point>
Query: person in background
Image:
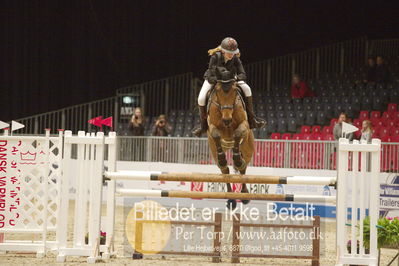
<point>338,128</point>
<point>161,127</point>
<point>367,131</point>
<point>136,125</point>
<point>382,73</point>
<point>299,89</point>
<point>370,72</point>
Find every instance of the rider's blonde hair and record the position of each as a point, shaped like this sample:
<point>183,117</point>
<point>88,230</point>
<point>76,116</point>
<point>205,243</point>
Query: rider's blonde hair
<point>218,49</point>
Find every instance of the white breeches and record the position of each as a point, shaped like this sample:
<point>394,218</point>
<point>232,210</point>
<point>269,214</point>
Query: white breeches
<point>207,86</point>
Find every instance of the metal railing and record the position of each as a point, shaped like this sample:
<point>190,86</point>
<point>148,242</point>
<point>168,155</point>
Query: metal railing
<point>161,96</point>
<point>310,64</point>
<point>157,97</point>
<point>300,154</point>
<point>72,118</point>
<point>384,47</point>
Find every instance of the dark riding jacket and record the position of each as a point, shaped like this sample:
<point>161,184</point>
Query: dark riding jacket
<point>234,66</point>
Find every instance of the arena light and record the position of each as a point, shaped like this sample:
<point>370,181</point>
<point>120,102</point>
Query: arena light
<point>128,100</point>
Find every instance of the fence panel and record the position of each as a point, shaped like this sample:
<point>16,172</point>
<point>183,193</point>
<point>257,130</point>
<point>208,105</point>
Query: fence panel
<point>299,154</point>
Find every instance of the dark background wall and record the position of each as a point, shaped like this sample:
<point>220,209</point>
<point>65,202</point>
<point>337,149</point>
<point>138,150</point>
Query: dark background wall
<point>59,53</point>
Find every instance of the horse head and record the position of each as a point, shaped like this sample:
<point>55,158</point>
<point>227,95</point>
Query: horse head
<point>226,93</point>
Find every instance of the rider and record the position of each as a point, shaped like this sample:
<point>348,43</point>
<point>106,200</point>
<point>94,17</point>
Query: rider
<point>226,55</point>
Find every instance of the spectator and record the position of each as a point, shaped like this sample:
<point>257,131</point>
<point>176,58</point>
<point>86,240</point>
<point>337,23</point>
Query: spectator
<point>136,125</point>
<point>382,74</point>
<point>161,127</point>
<point>371,67</point>
<point>338,128</point>
<point>299,89</point>
<point>367,131</point>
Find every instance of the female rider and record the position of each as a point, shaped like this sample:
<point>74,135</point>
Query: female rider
<point>226,55</point>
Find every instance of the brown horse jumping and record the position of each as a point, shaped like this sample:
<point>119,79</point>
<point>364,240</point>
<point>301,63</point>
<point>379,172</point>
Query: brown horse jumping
<point>229,128</point>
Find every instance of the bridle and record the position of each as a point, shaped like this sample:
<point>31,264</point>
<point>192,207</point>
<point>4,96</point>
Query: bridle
<point>224,107</point>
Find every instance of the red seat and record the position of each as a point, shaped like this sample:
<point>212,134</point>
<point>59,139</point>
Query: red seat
<point>307,136</point>
<point>384,131</point>
<point>286,136</point>
<point>358,134</point>
<point>297,136</point>
<point>316,136</point>
<point>389,123</point>
<point>375,114</point>
<point>357,123</point>
<point>364,115</point>
<point>375,135</point>
<point>327,130</point>
<point>394,131</point>
<point>377,122</point>
<point>333,121</point>
<point>328,137</point>
<point>395,115</point>
<point>386,115</point>
<point>275,136</point>
<point>305,130</point>
<point>316,129</point>
<point>392,107</point>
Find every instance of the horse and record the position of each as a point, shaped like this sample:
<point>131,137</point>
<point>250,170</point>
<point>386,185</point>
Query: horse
<point>228,128</point>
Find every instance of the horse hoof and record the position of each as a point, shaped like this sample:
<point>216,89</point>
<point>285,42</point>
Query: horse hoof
<point>245,202</point>
<point>231,204</point>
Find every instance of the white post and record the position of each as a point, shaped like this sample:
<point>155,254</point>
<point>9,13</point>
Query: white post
<point>45,181</point>
<point>62,220</point>
<point>374,199</point>
<point>342,157</point>
<point>60,174</point>
<point>79,235</point>
<point>111,186</point>
<point>95,197</point>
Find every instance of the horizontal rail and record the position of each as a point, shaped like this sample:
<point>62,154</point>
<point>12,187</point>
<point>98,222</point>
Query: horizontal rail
<point>221,195</point>
<point>218,178</point>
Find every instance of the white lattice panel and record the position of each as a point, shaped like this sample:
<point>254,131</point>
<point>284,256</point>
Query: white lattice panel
<point>29,191</point>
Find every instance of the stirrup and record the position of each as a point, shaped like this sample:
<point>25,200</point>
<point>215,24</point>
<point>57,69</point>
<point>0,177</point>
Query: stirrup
<point>198,131</point>
<point>257,123</point>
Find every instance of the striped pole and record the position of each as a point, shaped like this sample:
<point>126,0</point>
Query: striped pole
<point>218,178</point>
<point>221,195</point>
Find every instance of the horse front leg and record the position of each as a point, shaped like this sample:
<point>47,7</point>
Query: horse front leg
<point>239,163</point>
<point>220,156</point>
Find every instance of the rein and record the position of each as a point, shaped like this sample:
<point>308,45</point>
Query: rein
<point>223,107</point>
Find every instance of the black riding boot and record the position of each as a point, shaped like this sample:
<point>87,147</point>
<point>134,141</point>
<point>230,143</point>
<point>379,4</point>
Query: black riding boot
<point>253,121</point>
<point>204,123</point>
